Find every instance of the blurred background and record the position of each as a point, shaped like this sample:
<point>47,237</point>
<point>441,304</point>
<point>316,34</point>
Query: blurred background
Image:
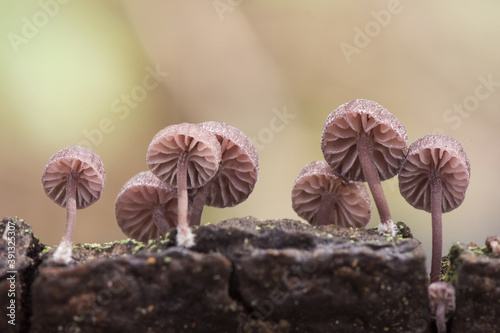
<point>109,75</point>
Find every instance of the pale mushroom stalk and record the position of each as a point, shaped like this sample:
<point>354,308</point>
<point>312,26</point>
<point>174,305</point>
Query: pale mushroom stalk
<point>200,198</point>
<point>160,220</point>
<point>440,317</point>
<point>325,209</point>
<point>436,214</point>
<point>184,235</point>
<point>63,251</point>
<point>365,153</point>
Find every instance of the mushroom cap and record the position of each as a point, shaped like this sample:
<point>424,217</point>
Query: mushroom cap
<point>342,129</point>
<point>88,170</point>
<point>442,292</point>
<point>352,207</point>
<point>444,155</point>
<point>239,170</point>
<point>135,202</point>
<point>202,147</point>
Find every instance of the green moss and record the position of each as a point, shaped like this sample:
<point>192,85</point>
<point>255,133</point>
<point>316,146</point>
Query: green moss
<point>138,247</point>
<point>46,249</point>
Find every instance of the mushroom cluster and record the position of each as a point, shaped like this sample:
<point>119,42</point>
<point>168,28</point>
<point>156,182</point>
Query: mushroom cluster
<point>361,142</point>
<point>191,165</point>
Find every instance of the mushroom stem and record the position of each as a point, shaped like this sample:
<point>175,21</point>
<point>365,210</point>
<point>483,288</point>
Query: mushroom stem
<point>437,232</point>
<point>324,210</point>
<point>440,317</point>
<point>63,251</point>
<point>160,220</point>
<point>198,204</point>
<point>365,153</point>
<point>184,235</point>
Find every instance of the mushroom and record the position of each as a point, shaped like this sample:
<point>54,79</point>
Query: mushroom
<point>185,156</point>
<point>434,177</point>
<point>320,197</point>
<point>146,208</point>
<point>73,178</point>
<point>237,174</point>
<point>442,303</point>
<point>362,141</point>
<point>493,242</point>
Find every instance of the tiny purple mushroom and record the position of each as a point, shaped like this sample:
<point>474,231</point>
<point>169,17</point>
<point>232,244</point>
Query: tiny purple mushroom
<point>321,198</point>
<point>73,178</point>
<point>146,208</point>
<point>442,303</point>
<point>237,174</point>
<point>185,156</point>
<point>364,142</point>
<point>434,177</point>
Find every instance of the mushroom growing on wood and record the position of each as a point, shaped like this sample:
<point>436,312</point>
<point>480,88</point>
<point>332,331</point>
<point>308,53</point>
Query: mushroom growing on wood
<point>146,208</point>
<point>185,156</point>
<point>493,242</point>
<point>73,178</point>
<point>237,174</point>
<point>320,197</point>
<point>442,303</point>
<point>434,177</point>
<point>363,142</point>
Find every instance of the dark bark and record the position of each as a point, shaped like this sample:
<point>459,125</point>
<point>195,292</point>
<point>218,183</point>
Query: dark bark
<point>242,275</point>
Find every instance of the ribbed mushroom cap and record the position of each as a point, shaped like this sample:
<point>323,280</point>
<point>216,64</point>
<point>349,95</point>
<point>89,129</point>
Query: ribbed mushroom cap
<point>342,129</point>
<point>202,147</point>
<point>351,206</point>
<point>239,170</point>
<point>136,201</point>
<point>88,170</point>
<point>444,155</point>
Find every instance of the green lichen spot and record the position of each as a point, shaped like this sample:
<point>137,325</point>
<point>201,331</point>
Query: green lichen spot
<point>167,260</point>
<point>137,248</point>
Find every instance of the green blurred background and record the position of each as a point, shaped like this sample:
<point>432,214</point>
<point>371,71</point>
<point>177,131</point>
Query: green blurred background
<point>79,72</point>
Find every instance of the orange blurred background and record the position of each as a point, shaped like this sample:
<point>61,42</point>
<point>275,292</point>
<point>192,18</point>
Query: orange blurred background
<point>110,74</point>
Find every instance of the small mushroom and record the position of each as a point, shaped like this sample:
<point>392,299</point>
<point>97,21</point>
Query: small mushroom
<point>434,177</point>
<point>320,197</point>
<point>73,178</point>
<point>146,208</point>
<point>493,242</point>
<point>185,156</point>
<point>442,303</point>
<point>237,174</point>
<point>364,142</point>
